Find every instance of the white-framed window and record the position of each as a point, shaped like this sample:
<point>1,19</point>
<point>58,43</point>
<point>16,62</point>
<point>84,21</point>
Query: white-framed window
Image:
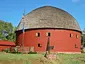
<point>48,34</point>
<point>76,46</point>
<point>77,35</point>
<point>39,45</point>
<point>38,34</point>
<point>71,35</point>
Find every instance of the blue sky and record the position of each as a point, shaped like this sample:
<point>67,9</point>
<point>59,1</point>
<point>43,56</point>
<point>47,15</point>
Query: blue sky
<point>12,10</point>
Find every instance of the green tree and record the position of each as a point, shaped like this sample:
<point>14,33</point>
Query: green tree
<point>7,31</point>
<point>83,38</point>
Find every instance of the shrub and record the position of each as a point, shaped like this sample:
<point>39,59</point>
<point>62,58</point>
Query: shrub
<point>32,53</point>
<point>7,50</point>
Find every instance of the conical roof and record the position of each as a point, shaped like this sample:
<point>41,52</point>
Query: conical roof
<point>49,17</point>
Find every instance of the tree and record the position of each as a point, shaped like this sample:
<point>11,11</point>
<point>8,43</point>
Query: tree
<point>7,31</point>
<point>83,38</point>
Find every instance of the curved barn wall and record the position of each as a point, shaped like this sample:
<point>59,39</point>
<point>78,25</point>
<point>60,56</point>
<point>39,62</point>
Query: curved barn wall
<point>62,40</point>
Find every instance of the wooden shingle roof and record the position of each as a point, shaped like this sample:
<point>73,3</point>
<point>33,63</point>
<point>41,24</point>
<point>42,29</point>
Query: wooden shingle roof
<point>49,17</point>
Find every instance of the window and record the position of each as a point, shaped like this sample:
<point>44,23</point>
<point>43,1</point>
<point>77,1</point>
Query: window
<point>77,36</point>
<point>48,34</point>
<point>38,34</point>
<point>51,47</point>
<point>39,45</point>
<point>71,35</point>
<point>76,46</point>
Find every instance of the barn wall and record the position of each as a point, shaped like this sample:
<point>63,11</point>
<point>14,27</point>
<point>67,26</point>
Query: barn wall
<point>62,40</point>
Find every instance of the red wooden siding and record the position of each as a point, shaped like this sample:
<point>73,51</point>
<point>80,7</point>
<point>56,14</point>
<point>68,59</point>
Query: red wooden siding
<point>60,39</point>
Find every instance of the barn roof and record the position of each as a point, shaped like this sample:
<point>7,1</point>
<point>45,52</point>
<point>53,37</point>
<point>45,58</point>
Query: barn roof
<point>4,42</point>
<point>48,17</point>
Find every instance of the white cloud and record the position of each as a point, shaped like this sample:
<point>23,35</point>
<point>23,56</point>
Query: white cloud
<point>79,2</point>
<point>75,1</point>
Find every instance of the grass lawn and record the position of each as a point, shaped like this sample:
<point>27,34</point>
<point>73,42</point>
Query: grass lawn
<point>71,58</point>
<point>39,59</point>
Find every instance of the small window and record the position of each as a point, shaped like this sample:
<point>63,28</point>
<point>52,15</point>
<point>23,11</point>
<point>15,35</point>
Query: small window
<point>48,34</point>
<point>71,35</point>
<point>77,36</point>
<point>76,46</point>
<point>51,47</point>
<point>38,34</point>
<point>39,45</point>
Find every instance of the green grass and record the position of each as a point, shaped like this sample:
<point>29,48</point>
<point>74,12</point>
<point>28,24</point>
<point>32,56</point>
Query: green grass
<point>6,58</point>
<point>72,58</point>
<point>18,56</point>
<point>39,59</point>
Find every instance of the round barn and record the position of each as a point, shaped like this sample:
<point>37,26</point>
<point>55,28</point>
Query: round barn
<point>49,24</point>
<point>4,45</point>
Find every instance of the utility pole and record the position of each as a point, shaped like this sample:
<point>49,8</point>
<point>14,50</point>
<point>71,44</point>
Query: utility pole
<point>23,30</point>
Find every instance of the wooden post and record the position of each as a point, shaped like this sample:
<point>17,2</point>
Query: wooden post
<point>48,55</point>
<point>48,46</point>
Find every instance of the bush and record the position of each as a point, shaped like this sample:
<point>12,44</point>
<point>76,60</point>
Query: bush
<point>7,50</point>
<point>17,52</point>
<point>32,53</point>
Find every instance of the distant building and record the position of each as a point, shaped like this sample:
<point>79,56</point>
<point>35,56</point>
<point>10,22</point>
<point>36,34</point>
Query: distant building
<point>50,22</point>
<point>4,45</point>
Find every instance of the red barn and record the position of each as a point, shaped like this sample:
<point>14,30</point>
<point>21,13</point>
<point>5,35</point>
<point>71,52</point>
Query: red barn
<point>4,45</point>
<point>50,22</point>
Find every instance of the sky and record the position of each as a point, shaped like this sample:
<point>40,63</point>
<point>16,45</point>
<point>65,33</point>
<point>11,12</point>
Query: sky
<point>12,10</point>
